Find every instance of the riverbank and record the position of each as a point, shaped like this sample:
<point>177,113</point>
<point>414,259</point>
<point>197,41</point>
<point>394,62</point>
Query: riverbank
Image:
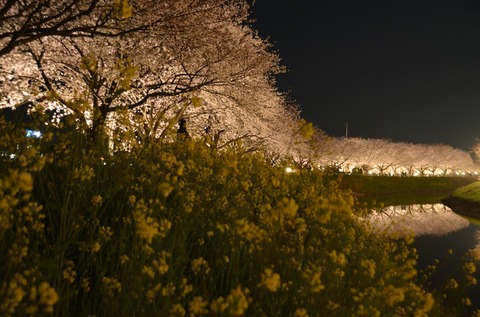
<point>465,200</point>
<point>391,190</point>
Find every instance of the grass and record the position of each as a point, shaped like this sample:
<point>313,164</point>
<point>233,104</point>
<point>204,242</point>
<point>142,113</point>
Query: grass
<point>466,201</point>
<point>469,192</point>
<point>402,190</point>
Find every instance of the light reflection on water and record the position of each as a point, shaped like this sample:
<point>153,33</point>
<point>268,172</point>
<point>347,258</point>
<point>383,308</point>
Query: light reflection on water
<point>437,229</point>
<point>429,219</point>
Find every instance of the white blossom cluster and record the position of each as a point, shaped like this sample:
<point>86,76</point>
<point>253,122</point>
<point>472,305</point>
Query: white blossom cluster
<point>152,62</point>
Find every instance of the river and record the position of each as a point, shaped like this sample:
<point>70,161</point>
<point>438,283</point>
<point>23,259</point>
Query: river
<point>437,230</point>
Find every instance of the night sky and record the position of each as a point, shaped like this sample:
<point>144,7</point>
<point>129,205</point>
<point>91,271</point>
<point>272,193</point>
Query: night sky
<point>404,70</point>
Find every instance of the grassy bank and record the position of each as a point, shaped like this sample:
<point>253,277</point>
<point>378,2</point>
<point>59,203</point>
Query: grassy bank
<point>466,201</point>
<point>469,192</point>
<point>402,190</point>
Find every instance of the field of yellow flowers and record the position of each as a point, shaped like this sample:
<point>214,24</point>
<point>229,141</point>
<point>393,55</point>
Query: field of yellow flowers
<point>178,229</point>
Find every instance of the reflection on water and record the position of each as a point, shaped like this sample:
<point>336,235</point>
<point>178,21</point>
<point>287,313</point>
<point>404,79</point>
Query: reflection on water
<point>429,219</point>
<point>437,230</point>
<point>436,247</point>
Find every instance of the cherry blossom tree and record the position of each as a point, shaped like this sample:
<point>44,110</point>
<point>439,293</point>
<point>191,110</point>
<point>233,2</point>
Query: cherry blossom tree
<point>337,153</point>
<point>27,21</point>
<point>476,148</point>
<point>379,156</point>
<point>193,53</point>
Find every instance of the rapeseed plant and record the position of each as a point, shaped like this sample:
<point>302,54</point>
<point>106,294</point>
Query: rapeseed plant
<point>180,229</point>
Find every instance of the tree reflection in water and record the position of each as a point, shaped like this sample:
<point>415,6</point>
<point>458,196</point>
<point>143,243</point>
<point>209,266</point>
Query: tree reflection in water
<point>428,219</point>
<point>440,234</point>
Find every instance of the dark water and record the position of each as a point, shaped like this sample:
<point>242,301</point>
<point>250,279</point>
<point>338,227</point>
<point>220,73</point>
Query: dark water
<point>437,229</point>
<point>436,247</point>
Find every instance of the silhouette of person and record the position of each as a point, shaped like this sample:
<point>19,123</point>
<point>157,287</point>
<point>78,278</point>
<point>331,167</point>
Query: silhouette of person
<point>207,137</point>
<point>182,129</point>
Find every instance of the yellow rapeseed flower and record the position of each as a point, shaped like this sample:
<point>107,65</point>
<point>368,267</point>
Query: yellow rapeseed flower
<point>83,173</point>
<point>165,189</point>
<point>13,293</point>
<point>270,280</point>
<point>85,284</point>
<point>124,258</point>
<point>105,232</point>
<point>393,295</point>
<point>313,276</point>
<point>469,267</point>
<point>249,231</point>
<point>451,284</point>
<point>222,227</point>
<point>200,265</point>
<point>151,293</point>
<point>338,258</point>
<point>288,207</point>
<point>95,247</point>
<point>186,288</point>
<point>197,306</point>
<point>300,312</point>
<point>466,301</point>
<point>161,265</point>
<point>147,228</point>
<point>69,273</point>
<point>111,286</point>
<point>48,297</point>
<point>369,267</point>
<point>25,182</point>
<point>147,270</point>
<point>235,304</point>
<point>96,200</point>
<point>177,310</point>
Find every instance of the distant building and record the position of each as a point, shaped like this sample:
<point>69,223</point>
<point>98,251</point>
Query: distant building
<point>20,115</point>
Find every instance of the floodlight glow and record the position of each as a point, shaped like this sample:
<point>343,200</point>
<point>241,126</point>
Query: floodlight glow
<point>33,134</point>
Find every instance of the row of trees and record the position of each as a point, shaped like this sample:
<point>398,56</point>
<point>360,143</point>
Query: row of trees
<point>384,157</point>
<point>135,67</point>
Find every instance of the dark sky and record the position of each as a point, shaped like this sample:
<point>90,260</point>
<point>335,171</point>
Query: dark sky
<point>405,70</point>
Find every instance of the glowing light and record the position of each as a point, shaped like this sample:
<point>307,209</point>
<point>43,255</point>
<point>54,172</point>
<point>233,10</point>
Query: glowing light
<point>289,170</point>
<point>33,134</point>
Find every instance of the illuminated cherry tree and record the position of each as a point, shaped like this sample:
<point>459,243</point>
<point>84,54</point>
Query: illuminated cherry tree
<point>27,21</point>
<point>384,157</point>
<point>476,148</point>
<point>196,59</point>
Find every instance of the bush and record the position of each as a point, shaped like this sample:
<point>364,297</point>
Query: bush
<point>177,229</point>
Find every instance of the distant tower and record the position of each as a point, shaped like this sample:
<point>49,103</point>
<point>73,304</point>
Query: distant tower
<point>346,130</point>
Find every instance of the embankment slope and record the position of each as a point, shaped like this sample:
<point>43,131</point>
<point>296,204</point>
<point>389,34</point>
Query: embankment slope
<point>392,190</point>
<point>465,200</point>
